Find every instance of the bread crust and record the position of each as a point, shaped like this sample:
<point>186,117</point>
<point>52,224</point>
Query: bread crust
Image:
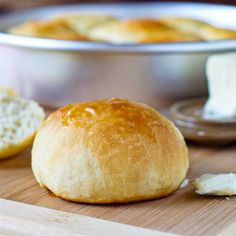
<point>55,29</point>
<point>19,121</point>
<point>109,151</point>
<point>82,24</point>
<point>199,28</point>
<point>14,149</point>
<point>110,29</point>
<point>139,31</point>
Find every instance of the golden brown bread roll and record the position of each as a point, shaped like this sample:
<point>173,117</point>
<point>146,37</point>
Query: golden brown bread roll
<point>106,28</point>
<point>139,31</point>
<point>199,28</point>
<point>82,24</point>
<point>184,24</point>
<point>55,28</point>
<point>214,33</point>
<point>109,151</point>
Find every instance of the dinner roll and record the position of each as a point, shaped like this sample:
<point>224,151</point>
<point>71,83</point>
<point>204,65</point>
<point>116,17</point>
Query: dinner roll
<point>214,33</point>
<point>109,151</point>
<point>55,29</point>
<point>184,24</point>
<point>199,28</point>
<point>83,23</point>
<point>139,31</point>
<point>19,120</point>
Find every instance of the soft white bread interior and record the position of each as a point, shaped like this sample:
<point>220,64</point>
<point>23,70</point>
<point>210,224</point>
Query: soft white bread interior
<point>216,184</point>
<point>109,151</point>
<point>19,120</point>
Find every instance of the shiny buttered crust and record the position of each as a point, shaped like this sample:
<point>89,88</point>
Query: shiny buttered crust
<point>109,151</point>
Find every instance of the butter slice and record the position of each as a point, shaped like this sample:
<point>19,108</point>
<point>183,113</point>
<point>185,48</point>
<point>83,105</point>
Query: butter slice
<point>216,184</point>
<point>221,76</point>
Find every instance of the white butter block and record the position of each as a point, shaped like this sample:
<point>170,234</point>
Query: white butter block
<point>221,76</point>
<point>216,184</point>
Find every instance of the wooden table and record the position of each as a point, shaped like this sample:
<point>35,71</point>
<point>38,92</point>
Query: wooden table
<point>184,212</point>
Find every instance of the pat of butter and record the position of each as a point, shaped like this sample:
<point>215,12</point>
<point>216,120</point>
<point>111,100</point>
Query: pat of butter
<point>221,76</point>
<point>216,184</point>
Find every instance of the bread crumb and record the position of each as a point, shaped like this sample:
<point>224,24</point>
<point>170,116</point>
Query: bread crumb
<point>184,183</point>
<point>201,133</point>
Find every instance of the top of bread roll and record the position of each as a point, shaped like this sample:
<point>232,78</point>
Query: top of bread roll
<point>139,31</point>
<point>109,151</point>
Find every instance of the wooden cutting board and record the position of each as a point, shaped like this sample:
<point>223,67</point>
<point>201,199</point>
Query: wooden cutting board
<point>40,221</point>
<point>184,212</point>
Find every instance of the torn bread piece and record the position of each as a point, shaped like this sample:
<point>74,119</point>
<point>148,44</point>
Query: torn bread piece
<point>19,121</point>
<point>216,184</point>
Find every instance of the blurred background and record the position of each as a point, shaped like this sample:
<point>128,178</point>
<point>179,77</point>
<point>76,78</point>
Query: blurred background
<point>158,79</point>
<point>8,5</point>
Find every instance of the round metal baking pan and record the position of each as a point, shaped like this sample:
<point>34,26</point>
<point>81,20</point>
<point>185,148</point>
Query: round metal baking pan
<point>58,72</point>
<point>208,12</point>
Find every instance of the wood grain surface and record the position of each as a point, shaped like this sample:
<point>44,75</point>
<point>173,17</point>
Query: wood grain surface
<point>40,221</point>
<point>184,212</point>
